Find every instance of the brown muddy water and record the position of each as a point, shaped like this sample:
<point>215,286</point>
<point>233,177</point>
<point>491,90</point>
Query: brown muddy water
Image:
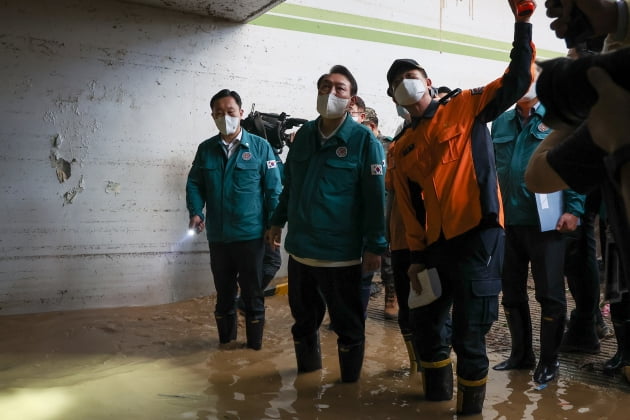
<point>164,362</point>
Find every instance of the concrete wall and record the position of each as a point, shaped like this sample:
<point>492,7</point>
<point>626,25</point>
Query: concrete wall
<point>102,106</point>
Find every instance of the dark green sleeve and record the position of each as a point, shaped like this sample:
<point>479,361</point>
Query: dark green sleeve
<point>195,188</point>
<point>518,77</point>
<point>573,202</point>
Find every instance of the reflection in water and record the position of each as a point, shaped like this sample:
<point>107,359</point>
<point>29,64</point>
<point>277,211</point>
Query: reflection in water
<point>244,383</point>
<point>164,362</point>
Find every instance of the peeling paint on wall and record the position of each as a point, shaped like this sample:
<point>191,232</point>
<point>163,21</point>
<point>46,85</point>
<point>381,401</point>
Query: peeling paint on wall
<point>69,196</point>
<point>63,168</point>
<point>112,187</point>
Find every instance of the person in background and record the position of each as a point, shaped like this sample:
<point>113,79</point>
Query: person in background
<point>387,276</point>
<point>586,324</point>
<point>590,157</point>
<point>368,288</point>
<point>235,177</point>
<point>272,259</point>
<point>357,110</point>
<point>400,257</point>
<point>333,168</point>
<point>516,134</point>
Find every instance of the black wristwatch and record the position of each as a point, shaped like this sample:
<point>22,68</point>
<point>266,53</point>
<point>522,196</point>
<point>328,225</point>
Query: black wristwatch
<point>616,160</point>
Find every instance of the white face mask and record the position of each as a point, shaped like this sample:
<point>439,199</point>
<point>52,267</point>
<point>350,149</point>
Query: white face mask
<point>409,91</point>
<point>402,111</point>
<point>531,93</point>
<point>331,106</point>
<point>355,118</point>
<point>227,124</point>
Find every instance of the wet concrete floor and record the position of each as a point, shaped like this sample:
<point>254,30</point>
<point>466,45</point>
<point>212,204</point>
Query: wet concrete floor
<point>164,362</point>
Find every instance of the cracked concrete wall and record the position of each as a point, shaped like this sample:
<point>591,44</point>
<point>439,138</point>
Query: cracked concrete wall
<point>103,106</point>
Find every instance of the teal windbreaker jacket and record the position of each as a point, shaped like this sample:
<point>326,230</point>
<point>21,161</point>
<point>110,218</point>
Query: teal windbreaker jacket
<point>239,193</point>
<point>334,194</point>
<point>512,153</point>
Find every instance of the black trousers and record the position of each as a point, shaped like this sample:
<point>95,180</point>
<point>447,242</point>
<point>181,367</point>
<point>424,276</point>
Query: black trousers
<point>400,261</point>
<point>545,251</point>
<point>272,261</point>
<point>312,289</point>
<point>581,268</point>
<point>469,267</point>
<point>234,265</point>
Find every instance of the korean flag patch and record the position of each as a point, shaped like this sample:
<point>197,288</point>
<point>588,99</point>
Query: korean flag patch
<point>272,164</point>
<point>377,169</point>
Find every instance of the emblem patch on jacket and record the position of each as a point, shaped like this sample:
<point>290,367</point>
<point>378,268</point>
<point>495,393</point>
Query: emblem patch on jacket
<point>272,164</point>
<point>377,169</point>
<point>246,156</point>
<point>342,152</point>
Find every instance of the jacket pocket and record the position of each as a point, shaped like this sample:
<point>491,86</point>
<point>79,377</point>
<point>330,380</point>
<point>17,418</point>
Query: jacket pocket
<point>339,177</point>
<point>484,305</point>
<point>486,282</point>
<point>503,150</point>
<point>450,147</point>
<point>247,176</point>
<point>211,175</point>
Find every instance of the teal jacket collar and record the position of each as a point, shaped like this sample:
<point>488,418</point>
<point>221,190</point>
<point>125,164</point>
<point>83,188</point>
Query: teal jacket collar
<point>539,111</point>
<point>344,132</point>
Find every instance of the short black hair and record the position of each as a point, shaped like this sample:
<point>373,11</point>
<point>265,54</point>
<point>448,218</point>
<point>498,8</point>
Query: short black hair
<point>321,79</point>
<point>343,70</point>
<point>359,102</point>
<point>444,89</point>
<point>224,93</point>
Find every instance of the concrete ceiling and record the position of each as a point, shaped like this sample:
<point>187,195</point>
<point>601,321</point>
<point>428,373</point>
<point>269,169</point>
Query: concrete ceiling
<point>235,11</point>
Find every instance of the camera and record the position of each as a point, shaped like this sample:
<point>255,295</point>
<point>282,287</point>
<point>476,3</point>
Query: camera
<point>563,86</point>
<point>579,28</point>
<point>271,127</point>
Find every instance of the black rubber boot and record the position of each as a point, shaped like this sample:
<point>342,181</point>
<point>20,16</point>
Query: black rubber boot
<point>622,356</point>
<point>226,324</point>
<point>551,332</point>
<point>437,380</point>
<point>411,351</point>
<point>470,396</point>
<point>520,324</point>
<point>351,361</point>
<point>308,353</point>
<point>254,329</point>
<point>581,336</point>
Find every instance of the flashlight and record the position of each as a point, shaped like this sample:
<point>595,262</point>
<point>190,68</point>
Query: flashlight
<point>525,8</point>
<point>191,232</point>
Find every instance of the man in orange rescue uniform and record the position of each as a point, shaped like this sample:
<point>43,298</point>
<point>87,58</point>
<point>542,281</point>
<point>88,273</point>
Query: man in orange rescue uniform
<point>447,151</point>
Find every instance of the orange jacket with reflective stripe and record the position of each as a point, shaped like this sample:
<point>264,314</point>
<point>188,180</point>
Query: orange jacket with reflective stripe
<point>448,152</point>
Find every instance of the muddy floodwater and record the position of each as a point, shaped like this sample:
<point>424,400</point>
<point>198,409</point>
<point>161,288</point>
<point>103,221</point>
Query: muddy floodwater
<point>164,362</point>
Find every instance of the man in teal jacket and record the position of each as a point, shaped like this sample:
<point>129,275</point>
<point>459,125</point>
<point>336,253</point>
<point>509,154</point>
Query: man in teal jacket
<point>334,202</point>
<point>236,177</point>
<point>515,134</point>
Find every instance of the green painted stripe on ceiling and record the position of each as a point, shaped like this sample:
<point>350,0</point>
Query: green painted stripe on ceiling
<point>374,27</point>
<point>387,25</point>
<point>376,36</point>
